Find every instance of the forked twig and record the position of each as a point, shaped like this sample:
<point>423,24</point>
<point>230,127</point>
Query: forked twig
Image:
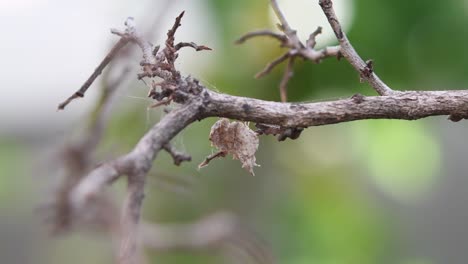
<point>296,49</point>
<point>176,155</point>
<point>365,72</point>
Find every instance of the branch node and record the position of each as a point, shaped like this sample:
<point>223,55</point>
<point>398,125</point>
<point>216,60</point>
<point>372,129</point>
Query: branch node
<point>282,132</point>
<point>290,40</point>
<point>156,49</point>
<point>290,132</point>
<point>459,114</point>
<point>176,155</point>
<point>367,71</point>
<point>311,42</point>
<point>358,98</point>
<point>326,3</point>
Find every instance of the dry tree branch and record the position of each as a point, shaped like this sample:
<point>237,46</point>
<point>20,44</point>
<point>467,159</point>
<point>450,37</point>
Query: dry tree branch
<point>211,157</point>
<point>296,49</point>
<point>262,33</point>
<point>78,156</point>
<point>270,66</point>
<point>284,26</point>
<point>409,105</point>
<point>176,155</point>
<point>81,92</point>
<point>366,72</point>
<point>284,119</point>
<point>130,218</point>
<point>136,166</point>
<point>288,73</point>
<point>191,45</point>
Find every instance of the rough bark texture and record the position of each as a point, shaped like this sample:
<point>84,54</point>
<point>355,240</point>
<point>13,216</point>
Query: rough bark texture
<point>409,105</point>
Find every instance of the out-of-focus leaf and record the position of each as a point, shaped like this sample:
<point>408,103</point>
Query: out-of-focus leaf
<point>401,157</point>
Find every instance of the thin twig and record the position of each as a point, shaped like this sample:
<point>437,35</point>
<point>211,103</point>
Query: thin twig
<point>134,35</point>
<point>290,33</point>
<point>128,253</point>
<point>212,157</point>
<point>162,102</point>
<point>176,155</point>
<point>112,53</point>
<point>170,50</point>
<point>288,73</point>
<point>350,53</point>
<point>311,42</point>
<point>266,33</point>
<point>296,48</point>
<point>191,45</point>
<point>270,66</point>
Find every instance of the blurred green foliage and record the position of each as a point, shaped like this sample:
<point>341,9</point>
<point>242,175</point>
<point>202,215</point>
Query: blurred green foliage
<point>13,157</point>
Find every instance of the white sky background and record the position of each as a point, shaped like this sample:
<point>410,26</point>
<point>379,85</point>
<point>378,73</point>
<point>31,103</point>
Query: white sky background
<point>50,47</point>
<point>306,15</point>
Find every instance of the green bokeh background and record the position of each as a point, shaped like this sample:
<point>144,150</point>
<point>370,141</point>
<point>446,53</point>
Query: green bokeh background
<point>349,193</point>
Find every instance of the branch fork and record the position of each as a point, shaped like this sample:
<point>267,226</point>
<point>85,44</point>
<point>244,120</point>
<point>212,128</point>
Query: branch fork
<point>155,62</point>
<point>296,49</point>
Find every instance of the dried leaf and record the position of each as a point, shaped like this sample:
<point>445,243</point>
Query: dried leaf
<point>238,139</point>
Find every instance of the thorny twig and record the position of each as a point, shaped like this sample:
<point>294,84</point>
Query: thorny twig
<point>296,49</point>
